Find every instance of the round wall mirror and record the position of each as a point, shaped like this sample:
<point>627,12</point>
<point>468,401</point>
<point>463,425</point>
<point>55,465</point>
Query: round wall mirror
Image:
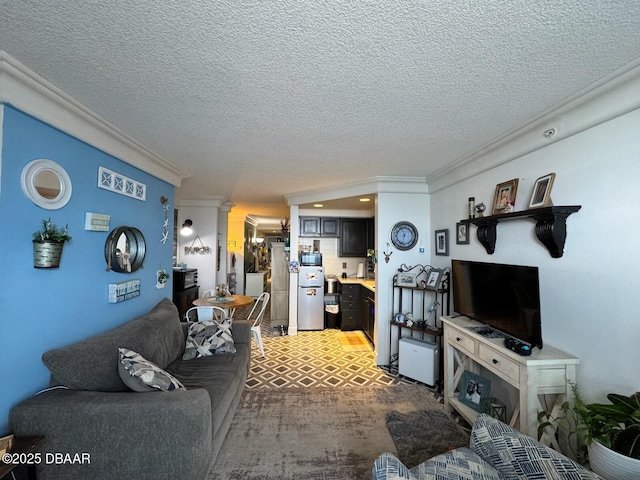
<point>46,183</point>
<point>125,249</point>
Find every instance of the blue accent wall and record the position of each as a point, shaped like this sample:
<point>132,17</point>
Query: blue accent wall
<point>41,309</point>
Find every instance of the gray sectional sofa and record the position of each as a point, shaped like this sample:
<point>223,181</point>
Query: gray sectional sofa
<point>130,434</point>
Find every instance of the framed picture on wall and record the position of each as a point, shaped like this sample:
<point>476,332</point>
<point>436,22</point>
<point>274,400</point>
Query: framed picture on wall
<point>541,195</point>
<point>473,388</point>
<point>462,233</point>
<point>504,199</point>
<point>442,242</point>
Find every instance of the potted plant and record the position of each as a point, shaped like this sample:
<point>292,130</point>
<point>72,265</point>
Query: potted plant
<point>161,278</point>
<point>47,245</point>
<point>612,434</point>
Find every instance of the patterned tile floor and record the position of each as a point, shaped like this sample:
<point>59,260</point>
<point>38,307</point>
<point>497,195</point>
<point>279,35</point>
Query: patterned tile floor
<point>312,359</point>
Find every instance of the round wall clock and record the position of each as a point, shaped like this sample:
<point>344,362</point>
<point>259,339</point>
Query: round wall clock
<point>404,235</point>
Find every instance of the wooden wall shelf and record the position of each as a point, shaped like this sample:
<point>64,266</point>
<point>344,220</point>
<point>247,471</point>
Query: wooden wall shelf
<point>551,228</point>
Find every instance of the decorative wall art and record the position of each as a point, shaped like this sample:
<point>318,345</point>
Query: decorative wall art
<point>165,223</point>
<point>442,242</point>
<point>504,200</point>
<point>46,183</point>
<point>541,196</point>
<point>462,233</point>
<point>202,249</point>
<point>117,183</point>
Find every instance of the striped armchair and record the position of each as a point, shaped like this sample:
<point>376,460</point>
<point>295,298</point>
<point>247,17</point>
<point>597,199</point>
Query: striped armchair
<point>497,452</point>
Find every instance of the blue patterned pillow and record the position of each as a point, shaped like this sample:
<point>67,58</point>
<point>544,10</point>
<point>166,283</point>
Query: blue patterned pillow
<point>141,375</point>
<point>518,456</point>
<point>208,338</point>
<point>459,464</point>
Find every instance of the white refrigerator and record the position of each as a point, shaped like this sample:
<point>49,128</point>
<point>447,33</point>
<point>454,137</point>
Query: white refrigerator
<point>311,298</point>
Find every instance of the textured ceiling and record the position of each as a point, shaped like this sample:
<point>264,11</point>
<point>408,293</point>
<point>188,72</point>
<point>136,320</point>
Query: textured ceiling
<point>258,99</point>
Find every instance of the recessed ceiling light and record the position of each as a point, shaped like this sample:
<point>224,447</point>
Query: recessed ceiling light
<point>365,199</point>
<point>318,205</point>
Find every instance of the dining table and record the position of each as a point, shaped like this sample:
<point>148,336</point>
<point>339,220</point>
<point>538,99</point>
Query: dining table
<point>228,303</point>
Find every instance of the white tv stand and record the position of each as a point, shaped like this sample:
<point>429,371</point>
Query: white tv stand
<point>544,372</point>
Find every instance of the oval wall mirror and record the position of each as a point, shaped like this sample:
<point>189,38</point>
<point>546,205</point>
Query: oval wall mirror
<point>125,249</point>
<point>46,183</point>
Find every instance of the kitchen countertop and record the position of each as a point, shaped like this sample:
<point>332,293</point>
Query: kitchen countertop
<point>365,282</point>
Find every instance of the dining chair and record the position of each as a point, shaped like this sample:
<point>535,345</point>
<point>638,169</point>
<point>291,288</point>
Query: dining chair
<point>206,313</point>
<point>209,293</point>
<point>259,308</point>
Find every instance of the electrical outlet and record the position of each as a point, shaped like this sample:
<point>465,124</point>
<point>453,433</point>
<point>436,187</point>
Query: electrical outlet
<point>344,264</point>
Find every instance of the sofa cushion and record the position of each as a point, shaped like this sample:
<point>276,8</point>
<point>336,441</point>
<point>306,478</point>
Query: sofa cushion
<point>208,338</point>
<point>518,456</point>
<point>92,364</point>
<point>222,376</point>
<point>141,375</point>
<point>459,464</point>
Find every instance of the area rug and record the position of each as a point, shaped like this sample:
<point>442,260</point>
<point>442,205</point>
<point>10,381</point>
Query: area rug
<point>421,435</point>
<point>353,341</point>
<point>313,433</point>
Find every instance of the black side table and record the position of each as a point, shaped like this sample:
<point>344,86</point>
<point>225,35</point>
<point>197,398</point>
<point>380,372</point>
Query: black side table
<point>22,446</point>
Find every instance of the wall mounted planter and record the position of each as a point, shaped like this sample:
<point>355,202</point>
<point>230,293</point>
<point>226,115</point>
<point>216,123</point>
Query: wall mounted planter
<point>47,254</point>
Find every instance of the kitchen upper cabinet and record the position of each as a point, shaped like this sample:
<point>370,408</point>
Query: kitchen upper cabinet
<point>319,227</point>
<point>329,227</point>
<point>309,226</point>
<point>354,237</point>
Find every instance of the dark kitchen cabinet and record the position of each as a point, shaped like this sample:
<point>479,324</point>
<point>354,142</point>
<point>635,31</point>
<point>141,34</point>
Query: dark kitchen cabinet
<point>354,237</point>
<point>309,226</point>
<point>329,227</point>
<point>349,306</point>
<point>319,227</point>
<point>183,299</point>
<point>367,312</point>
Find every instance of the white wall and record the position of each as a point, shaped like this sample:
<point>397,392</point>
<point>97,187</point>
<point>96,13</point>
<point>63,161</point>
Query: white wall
<point>591,296</point>
<point>390,209</point>
<point>205,226</point>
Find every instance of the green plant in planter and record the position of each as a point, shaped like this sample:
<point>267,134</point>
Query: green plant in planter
<point>51,233</point>
<point>615,425</point>
<point>163,276</point>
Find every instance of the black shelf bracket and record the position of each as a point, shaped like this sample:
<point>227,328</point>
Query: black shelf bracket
<point>551,227</point>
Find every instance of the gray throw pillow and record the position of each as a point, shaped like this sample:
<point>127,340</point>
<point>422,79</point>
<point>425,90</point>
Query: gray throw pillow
<point>208,338</point>
<point>141,375</point>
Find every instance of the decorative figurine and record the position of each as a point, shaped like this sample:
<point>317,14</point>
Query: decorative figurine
<point>480,208</point>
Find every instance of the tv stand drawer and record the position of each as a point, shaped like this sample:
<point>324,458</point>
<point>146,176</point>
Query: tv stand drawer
<point>499,363</point>
<point>461,341</point>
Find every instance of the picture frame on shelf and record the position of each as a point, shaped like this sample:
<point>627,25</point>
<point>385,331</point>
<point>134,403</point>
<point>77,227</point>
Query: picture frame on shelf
<point>504,200</point>
<point>434,277</point>
<point>473,388</point>
<point>462,233</point>
<point>407,279</point>
<point>541,195</point>
<point>442,242</point>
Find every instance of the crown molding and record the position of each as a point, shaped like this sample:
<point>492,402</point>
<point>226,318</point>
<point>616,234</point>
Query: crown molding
<point>30,93</point>
<point>366,186</point>
<point>613,96</point>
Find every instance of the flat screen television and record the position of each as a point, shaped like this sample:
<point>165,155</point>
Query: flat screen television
<point>504,297</point>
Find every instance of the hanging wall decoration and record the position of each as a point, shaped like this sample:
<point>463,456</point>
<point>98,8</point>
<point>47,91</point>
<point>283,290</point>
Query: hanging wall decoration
<point>114,182</point>
<point>193,249</point>
<point>165,224</point>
